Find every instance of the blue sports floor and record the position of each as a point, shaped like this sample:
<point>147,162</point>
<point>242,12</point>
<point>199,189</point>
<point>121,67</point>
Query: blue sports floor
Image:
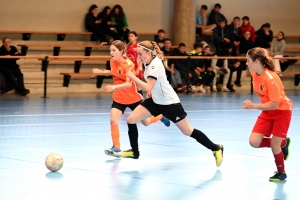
<point>171,166</point>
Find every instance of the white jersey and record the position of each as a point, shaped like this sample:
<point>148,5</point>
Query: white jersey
<point>162,92</point>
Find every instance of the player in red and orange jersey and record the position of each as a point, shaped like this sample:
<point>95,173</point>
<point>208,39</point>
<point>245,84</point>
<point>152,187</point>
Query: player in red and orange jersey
<point>124,95</point>
<point>276,109</point>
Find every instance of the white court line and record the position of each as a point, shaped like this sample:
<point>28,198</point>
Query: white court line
<point>5,125</point>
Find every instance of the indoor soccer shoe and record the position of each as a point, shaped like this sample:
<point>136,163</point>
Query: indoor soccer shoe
<point>166,121</point>
<point>112,151</point>
<point>127,154</point>
<point>219,155</point>
<point>286,148</point>
<point>278,176</point>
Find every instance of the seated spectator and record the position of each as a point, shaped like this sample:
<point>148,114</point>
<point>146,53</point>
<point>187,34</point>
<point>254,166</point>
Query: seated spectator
<point>247,27</point>
<point>264,36</point>
<point>120,21</point>
<point>236,33</point>
<point>201,21</point>
<point>221,35</point>
<point>107,24</point>
<point>93,24</point>
<point>246,43</point>
<point>168,51</point>
<point>160,37</point>
<point>215,15</point>
<point>277,48</point>
<point>209,74</point>
<point>10,69</point>
<point>234,66</point>
<point>220,66</point>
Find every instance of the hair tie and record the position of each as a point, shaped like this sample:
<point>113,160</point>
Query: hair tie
<point>139,45</point>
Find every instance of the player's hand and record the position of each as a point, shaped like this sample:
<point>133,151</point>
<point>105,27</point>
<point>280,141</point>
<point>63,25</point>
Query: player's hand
<point>149,95</point>
<point>110,88</point>
<point>248,105</point>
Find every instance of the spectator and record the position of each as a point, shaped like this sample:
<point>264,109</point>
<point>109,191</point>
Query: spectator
<point>247,27</point>
<point>93,24</point>
<point>10,68</point>
<point>209,73</point>
<point>215,15</point>
<point>159,39</point>
<point>235,33</point>
<point>220,66</point>
<point>246,43</point>
<point>264,36</point>
<point>234,66</point>
<point>201,21</point>
<point>120,21</point>
<point>277,48</point>
<point>168,51</point>
<point>221,35</point>
<point>197,68</point>
<point>107,24</point>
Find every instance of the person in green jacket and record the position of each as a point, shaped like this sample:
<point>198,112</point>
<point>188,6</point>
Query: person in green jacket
<point>119,18</point>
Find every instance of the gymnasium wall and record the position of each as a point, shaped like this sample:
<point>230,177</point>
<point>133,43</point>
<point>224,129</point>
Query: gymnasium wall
<point>143,15</point>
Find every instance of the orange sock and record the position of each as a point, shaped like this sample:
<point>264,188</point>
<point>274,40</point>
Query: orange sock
<point>155,119</point>
<point>115,135</point>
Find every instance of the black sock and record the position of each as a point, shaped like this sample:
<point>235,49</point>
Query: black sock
<point>204,140</point>
<point>141,92</point>
<point>133,138</point>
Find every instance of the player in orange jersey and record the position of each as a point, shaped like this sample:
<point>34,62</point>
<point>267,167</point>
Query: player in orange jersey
<point>124,95</point>
<point>276,109</point>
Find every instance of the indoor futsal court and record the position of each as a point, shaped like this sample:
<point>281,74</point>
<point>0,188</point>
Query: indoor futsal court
<point>171,165</point>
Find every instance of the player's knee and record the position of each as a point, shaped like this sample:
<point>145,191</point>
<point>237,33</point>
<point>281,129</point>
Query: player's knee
<point>113,121</point>
<point>254,143</point>
<point>130,120</point>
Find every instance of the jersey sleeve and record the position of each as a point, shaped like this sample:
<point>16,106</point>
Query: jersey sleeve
<point>273,90</point>
<point>153,72</point>
<point>129,67</point>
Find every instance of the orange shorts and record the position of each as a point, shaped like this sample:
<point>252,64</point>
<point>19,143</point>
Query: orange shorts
<point>276,122</point>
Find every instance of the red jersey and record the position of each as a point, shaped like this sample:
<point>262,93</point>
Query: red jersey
<point>268,87</point>
<point>250,28</point>
<point>118,71</point>
<point>133,56</point>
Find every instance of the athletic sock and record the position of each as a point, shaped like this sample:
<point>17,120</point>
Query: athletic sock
<point>155,119</point>
<point>115,135</point>
<point>266,142</point>
<point>279,161</point>
<point>283,143</point>
<point>204,140</point>
<point>133,138</point>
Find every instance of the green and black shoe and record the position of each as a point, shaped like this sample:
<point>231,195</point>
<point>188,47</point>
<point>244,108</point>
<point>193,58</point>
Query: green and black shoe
<point>278,176</point>
<point>286,148</point>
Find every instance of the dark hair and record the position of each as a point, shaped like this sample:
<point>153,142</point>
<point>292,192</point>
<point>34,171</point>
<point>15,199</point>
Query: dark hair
<point>167,39</point>
<point>134,33</point>
<point>236,17</point>
<point>181,44</point>
<point>104,11</point>
<point>197,45</point>
<point>222,20</point>
<point>5,38</point>
<point>267,25</point>
<point>205,46</point>
<point>282,34</point>
<point>217,5</point>
<point>92,7</point>
<point>262,56</point>
<point>121,12</point>
<point>161,31</point>
<point>246,18</point>
<point>204,7</point>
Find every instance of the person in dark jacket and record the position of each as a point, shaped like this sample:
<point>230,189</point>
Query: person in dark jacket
<point>264,36</point>
<point>93,24</point>
<point>234,65</point>
<point>168,51</point>
<point>10,69</point>
<point>246,43</point>
<point>120,21</point>
<point>221,35</point>
<point>235,33</point>
<point>215,15</point>
<point>107,24</point>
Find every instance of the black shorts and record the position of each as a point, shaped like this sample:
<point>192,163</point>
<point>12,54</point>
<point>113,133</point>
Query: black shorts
<point>173,112</point>
<point>122,107</point>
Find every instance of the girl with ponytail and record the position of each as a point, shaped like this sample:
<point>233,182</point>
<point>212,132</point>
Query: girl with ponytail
<point>276,110</point>
<point>162,99</point>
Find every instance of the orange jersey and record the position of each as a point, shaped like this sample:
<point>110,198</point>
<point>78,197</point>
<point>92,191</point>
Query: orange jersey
<point>268,87</point>
<point>118,71</point>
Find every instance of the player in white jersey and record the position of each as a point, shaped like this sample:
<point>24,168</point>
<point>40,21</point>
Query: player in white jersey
<point>162,99</point>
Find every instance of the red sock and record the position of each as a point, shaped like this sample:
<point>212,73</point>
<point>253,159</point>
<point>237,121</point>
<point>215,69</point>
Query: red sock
<point>279,161</point>
<point>283,142</point>
<point>266,142</point>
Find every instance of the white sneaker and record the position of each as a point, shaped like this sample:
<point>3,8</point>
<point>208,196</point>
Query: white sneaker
<point>201,89</point>
<point>225,89</point>
<point>194,89</point>
<point>214,89</point>
<point>207,88</point>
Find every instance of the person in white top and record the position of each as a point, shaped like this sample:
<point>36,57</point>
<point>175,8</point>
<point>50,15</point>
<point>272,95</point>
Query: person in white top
<point>163,100</point>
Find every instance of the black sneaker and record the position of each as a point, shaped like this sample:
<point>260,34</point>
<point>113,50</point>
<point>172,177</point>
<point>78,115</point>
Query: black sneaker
<point>278,176</point>
<point>237,84</point>
<point>285,149</point>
